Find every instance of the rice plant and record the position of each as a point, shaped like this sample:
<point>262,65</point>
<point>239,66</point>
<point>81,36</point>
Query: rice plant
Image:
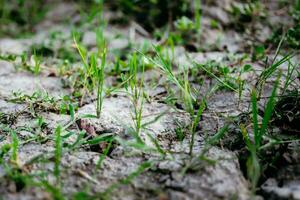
<point>259,131</point>
<point>187,95</point>
<point>134,88</point>
<point>37,64</point>
<point>100,84</point>
<point>94,70</point>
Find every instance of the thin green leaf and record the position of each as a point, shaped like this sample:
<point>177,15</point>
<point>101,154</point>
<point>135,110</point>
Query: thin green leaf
<point>255,116</point>
<point>268,111</point>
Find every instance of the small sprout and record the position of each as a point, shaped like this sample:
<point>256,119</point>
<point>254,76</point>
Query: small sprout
<point>180,134</point>
<point>259,52</point>
<point>36,64</point>
<point>93,71</point>
<point>15,146</point>
<point>214,24</point>
<point>184,24</point>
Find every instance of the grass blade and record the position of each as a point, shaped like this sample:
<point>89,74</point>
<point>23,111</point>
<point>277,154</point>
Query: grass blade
<point>57,152</point>
<point>268,111</point>
<point>216,77</point>
<point>255,116</point>
<point>195,123</point>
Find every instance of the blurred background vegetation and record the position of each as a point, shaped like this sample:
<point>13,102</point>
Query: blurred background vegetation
<point>151,13</point>
<point>19,17</point>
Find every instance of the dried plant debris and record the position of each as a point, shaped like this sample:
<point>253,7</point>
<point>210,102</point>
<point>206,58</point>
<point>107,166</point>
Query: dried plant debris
<point>287,113</point>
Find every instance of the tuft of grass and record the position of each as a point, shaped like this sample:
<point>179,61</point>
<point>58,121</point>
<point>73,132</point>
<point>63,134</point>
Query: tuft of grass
<point>165,65</point>
<point>271,68</point>
<point>134,88</point>
<point>87,69</point>
<point>93,70</point>
<point>253,162</point>
<point>222,82</point>
<point>100,77</point>
<point>30,63</point>
<point>37,64</point>
<point>40,100</point>
<point>14,147</point>
<point>188,97</point>
<point>57,152</point>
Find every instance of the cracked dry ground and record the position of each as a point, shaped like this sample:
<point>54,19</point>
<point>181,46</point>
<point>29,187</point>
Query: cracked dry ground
<point>163,179</point>
<point>127,171</point>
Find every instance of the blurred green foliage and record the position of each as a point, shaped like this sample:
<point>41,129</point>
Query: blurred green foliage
<point>153,13</point>
<point>23,13</point>
<point>150,14</point>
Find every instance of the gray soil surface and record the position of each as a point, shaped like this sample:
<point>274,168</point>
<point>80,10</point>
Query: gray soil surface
<point>173,175</point>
